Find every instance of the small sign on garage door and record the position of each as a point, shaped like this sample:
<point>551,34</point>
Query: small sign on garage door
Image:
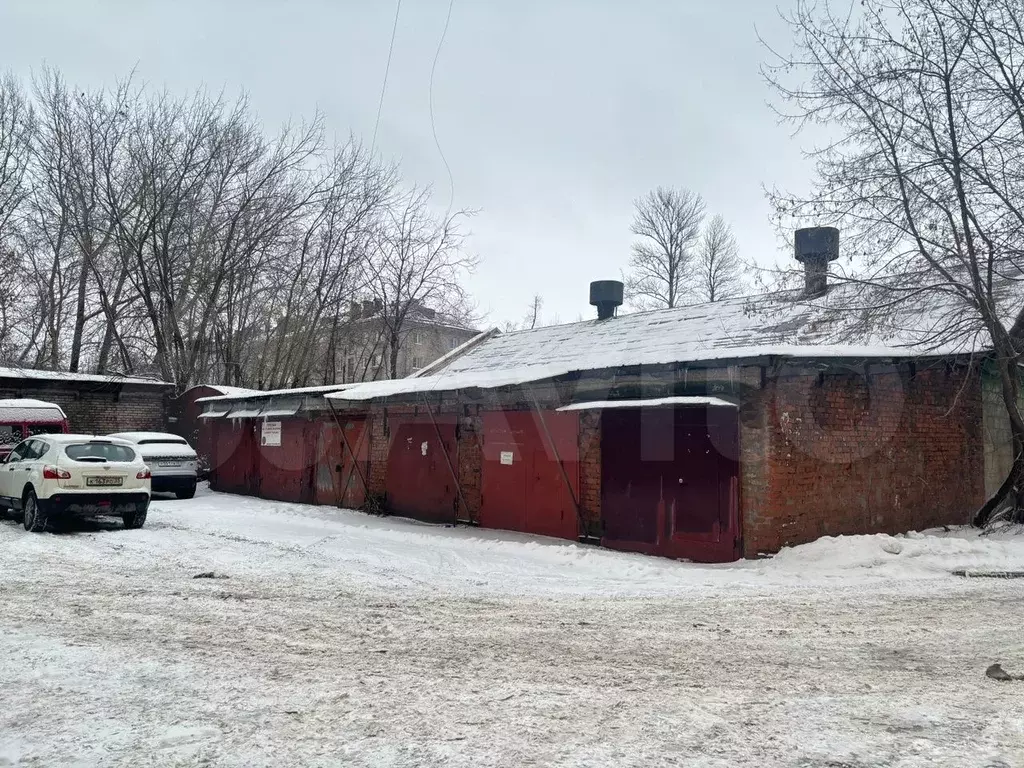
<point>271,433</point>
<point>506,457</point>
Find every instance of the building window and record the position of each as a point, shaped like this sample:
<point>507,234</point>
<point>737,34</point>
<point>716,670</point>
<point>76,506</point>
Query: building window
<point>453,343</point>
<point>417,337</point>
<point>417,363</point>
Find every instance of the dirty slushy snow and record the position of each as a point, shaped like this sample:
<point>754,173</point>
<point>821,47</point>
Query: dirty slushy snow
<point>336,638</point>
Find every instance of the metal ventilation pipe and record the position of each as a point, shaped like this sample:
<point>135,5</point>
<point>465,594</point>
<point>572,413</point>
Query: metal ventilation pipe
<point>606,295</point>
<point>815,247</point>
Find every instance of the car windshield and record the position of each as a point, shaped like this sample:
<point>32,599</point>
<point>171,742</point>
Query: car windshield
<point>99,452</point>
<point>163,441</point>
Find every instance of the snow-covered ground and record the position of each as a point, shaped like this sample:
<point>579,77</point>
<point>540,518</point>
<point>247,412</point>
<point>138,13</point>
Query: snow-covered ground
<point>341,639</point>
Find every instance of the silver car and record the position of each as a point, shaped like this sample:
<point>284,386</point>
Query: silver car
<point>170,458</point>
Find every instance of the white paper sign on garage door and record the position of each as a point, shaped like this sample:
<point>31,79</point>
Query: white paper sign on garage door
<point>271,434</point>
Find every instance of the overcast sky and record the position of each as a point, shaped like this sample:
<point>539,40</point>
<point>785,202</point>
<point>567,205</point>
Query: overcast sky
<point>553,115</point>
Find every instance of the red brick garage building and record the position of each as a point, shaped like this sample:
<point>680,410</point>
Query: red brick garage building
<point>716,463</point>
<point>708,460</point>
<point>707,432</point>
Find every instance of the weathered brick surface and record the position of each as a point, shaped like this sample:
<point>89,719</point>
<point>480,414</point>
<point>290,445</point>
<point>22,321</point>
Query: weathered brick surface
<point>99,412</point>
<point>754,455</point>
<point>470,466</point>
<point>843,453</point>
<point>590,468</point>
<point>380,444</point>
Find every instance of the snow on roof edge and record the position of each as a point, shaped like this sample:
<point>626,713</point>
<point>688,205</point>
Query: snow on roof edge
<point>229,391</point>
<point>29,407</point>
<point>442,382</point>
<point>37,374</point>
<point>260,394</point>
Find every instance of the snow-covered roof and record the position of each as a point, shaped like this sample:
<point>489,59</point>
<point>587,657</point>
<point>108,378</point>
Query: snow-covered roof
<point>773,325</point>
<point>259,394</point>
<point>23,409</point>
<point>231,391</point>
<point>32,373</point>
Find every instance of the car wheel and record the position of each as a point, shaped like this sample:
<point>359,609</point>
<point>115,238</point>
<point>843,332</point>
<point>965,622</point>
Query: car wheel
<point>34,513</point>
<point>136,518</point>
<point>188,493</point>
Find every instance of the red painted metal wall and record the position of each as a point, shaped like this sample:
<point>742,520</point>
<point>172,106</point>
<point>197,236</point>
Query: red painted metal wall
<point>524,487</point>
<point>285,471</point>
<point>234,456</point>
<point>669,482</point>
<point>419,481</point>
<point>337,479</point>
<point>183,412</point>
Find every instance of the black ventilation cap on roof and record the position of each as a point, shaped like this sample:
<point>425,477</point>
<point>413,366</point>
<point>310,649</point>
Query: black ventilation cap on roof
<point>815,247</point>
<point>606,295</point>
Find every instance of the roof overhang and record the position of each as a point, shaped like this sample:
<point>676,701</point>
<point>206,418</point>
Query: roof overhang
<point>214,413</point>
<point>259,395</point>
<point>535,374</point>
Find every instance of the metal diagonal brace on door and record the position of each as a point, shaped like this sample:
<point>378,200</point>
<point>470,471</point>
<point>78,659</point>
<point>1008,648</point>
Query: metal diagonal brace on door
<point>448,461</point>
<point>584,525</point>
<point>364,435</point>
<point>355,460</point>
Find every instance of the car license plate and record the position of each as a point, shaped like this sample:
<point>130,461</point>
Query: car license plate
<point>104,480</point>
<point>168,463</point>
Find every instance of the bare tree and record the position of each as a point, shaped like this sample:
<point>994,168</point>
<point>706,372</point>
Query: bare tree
<point>326,269</point>
<point>418,263</point>
<point>668,221</point>
<point>16,128</point>
<point>925,172</point>
<point>532,319</point>
<point>143,232</point>
<point>717,271</point>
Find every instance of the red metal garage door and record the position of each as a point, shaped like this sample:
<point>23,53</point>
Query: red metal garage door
<point>669,482</point>
<point>420,483</point>
<point>524,488</point>
<point>286,470</point>
<point>235,456</point>
<point>336,480</point>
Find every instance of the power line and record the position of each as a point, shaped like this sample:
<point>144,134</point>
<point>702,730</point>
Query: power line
<point>387,69</point>
<point>433,127</point>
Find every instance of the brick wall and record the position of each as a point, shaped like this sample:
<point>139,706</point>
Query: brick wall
<point>99,412</point>
<point>754,462</point>
<point>590,469</point>
<point>896,450</point>
<point>380,444</point>
<point>470,463</point>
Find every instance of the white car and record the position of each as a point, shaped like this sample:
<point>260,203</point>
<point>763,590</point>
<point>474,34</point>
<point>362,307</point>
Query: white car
<point>50,475</point>
<point>173,462</point>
